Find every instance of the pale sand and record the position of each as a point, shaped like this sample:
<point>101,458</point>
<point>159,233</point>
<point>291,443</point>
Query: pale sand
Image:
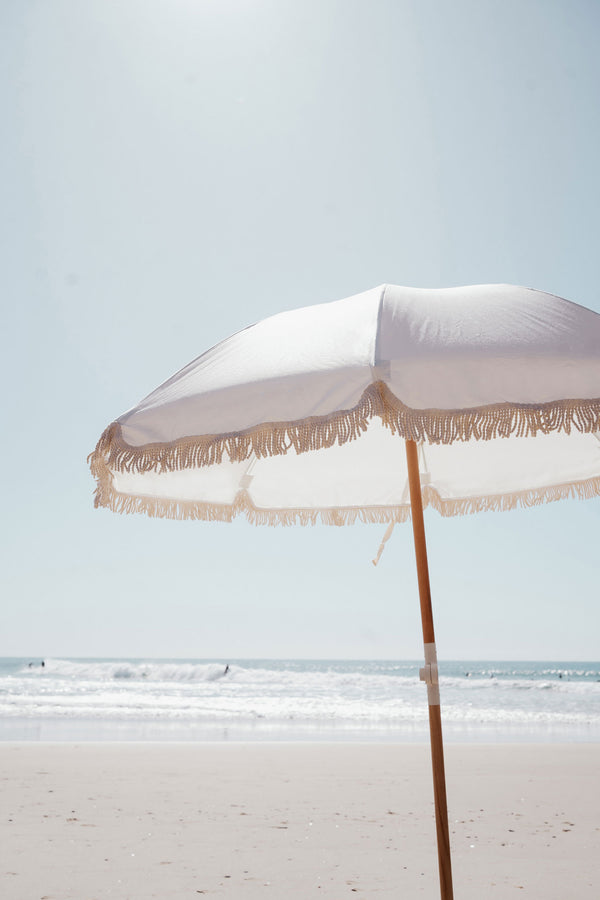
<point>340,820</point>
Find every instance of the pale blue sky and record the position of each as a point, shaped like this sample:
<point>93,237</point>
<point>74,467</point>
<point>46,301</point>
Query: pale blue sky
<point>174,170</point>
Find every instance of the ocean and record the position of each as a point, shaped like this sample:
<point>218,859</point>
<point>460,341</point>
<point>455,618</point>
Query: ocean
<point>294,700</point>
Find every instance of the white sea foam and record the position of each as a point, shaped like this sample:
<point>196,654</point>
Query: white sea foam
<point>93,671</point>
<point>563,698</point>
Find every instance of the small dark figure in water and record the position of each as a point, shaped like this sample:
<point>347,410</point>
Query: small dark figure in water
<point>42,664</point>
<point>226,669</point>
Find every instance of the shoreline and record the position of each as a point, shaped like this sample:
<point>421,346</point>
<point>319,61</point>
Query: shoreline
<point>295,819</point>
<point>22,729</point>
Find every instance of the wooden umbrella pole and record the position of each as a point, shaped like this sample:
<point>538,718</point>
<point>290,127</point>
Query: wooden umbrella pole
<point>429,674</point>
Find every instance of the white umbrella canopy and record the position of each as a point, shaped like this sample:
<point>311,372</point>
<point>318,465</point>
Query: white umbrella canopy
<point>494,389</point>
<point>499,384</point>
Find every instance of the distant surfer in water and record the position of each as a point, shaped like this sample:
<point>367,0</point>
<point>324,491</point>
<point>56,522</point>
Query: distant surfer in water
<point>226,669</point>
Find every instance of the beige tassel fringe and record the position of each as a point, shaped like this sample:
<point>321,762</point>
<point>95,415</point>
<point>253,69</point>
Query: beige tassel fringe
<point>581,490</point>
<point>107,496</point>
<point>434,426</point>
<point>274,439</point>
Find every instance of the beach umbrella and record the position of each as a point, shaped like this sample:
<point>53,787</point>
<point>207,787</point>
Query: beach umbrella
<point>493,390</point>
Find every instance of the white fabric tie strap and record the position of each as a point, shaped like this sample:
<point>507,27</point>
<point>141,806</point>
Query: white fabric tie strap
<point>425,479</point>
<point>386,537</point>
<point>246,479</point>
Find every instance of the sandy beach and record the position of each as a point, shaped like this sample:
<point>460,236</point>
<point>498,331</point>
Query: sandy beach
<point>134,820</point>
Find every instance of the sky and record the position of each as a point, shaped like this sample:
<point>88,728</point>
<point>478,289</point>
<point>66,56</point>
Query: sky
<point>175,170</point>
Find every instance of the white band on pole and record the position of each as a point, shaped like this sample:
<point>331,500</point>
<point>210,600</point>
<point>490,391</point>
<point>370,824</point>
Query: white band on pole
<point>429,674</point>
